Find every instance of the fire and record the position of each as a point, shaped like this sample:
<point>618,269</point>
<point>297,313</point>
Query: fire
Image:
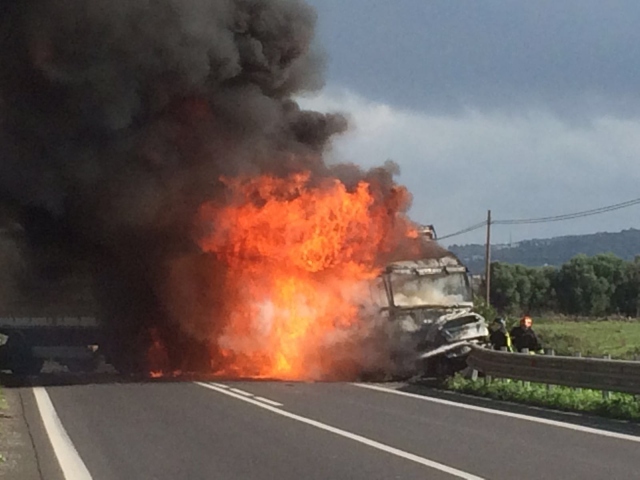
<point>297,254</point>
<point>157,357</point>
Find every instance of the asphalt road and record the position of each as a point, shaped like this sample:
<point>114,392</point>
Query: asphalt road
<point>286,431</point>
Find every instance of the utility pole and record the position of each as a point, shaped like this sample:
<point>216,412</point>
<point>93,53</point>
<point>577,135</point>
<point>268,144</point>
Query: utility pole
<point>487,260</point>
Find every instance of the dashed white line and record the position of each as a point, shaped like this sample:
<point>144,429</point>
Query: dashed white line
<point>352,436</point>
<point>545,421</point>
<point>270,402</point>
<point>220,385</point>
<point>73,468</point>
<point>241,392</point>
<point>245,394</point>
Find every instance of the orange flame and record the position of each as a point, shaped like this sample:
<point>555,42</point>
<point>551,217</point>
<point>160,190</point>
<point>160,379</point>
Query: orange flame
<point>297,256</point>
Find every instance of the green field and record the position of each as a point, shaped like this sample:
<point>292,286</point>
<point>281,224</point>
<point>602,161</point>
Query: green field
<point>593,338</point>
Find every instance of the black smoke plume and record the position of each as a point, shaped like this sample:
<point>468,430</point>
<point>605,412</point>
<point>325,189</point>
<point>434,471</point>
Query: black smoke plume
<point>117,119</point>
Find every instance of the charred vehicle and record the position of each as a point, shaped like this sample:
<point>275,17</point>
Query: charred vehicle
<point>51,317</point>
<point>429,304</point>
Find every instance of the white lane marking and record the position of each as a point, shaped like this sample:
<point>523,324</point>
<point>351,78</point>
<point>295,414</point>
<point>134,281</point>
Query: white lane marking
<point>352,436</point>
<point>246,394</point>
<point>70,462</point>
<point>545,421</point>
<point>241,392</point>
<point>270,402</point>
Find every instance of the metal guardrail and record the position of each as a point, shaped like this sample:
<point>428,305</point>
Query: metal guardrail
<point>579,372</point>
<point>48,322</point>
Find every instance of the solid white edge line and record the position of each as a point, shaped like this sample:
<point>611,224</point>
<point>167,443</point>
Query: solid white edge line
<point>519,416</point>
<point>352,436</point>
<point>270,402</point>
<point>73,468</point>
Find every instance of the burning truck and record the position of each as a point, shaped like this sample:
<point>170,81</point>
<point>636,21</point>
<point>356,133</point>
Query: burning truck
<point>161,146</point>
<point>429,304</point>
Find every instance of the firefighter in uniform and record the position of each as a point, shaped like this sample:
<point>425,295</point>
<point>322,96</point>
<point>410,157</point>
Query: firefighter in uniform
<point>523,336</point>
<point>499,336</point>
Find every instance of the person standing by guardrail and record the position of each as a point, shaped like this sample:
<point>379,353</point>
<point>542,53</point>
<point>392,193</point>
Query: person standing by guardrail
<point>523,336</point>
<point>499,336</point>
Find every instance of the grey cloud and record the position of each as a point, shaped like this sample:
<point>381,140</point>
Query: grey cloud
<point>576,57</point>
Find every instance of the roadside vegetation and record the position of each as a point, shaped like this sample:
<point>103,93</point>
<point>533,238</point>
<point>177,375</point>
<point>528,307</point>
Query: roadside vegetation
<point>602,285</point>
<point>614,405</point>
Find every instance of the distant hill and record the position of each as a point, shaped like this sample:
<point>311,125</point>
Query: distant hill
<point>552,251</point>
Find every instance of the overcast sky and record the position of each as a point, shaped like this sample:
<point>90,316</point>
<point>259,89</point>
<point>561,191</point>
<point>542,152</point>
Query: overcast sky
<point>527,108</point>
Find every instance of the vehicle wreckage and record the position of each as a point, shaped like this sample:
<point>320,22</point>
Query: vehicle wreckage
<point>429,307</point>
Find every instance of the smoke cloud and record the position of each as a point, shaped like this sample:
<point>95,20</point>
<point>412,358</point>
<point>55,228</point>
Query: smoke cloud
<point>117,121</point>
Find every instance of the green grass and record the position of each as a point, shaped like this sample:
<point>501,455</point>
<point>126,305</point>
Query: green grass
<point>593,338</point>
<point>617,405</point>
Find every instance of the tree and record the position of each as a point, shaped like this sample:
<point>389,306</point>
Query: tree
<point>503,293</point>
<point>627,295</point>
<point>543,296</point>
<point>580,290</point>
<point>598,285</point>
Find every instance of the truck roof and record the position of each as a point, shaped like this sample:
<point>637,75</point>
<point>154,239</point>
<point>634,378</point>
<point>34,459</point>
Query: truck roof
<point>426,266</point>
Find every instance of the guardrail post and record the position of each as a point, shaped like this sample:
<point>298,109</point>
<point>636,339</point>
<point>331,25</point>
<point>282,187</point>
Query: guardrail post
<point>551,352</point>
<point>636,358</point>
<point>606,394</point>
<point>526,352</point>
<point>579,355</point>
<point>502,349</point>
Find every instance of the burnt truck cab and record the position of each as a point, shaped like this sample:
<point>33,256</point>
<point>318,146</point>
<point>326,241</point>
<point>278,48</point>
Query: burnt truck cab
<point>429,305</point>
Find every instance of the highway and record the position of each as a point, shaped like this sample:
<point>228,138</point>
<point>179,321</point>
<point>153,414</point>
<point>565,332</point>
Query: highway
<point>287,431</point>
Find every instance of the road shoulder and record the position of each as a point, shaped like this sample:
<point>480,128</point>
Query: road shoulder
<point>16,446</point>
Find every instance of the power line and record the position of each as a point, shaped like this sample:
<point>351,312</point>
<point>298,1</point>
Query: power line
<point>465,230</point>
<point>555,218</point>
<point>569,216</point>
